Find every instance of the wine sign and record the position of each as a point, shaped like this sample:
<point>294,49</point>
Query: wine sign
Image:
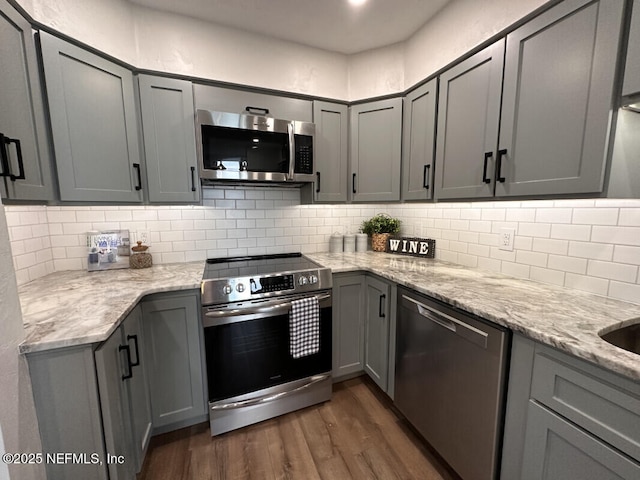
<point>416,247</point>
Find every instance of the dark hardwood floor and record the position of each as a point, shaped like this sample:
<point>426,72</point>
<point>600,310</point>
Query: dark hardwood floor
<point>356,435</point>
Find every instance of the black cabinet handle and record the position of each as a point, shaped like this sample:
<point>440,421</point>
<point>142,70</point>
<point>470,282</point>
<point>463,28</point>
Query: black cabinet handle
<point>501,153</point>
<point>381,307</point>
<point>353,183</point>
<point>136,166</point>
<point>193,179</point>
<point>135,344</point>
<point>264,111</point>
<point>425,177</point>
<point>487,156</point>
<point>129,365</point>
<point>6,165</point>
<point>4,157</point>
<point>318,185</point>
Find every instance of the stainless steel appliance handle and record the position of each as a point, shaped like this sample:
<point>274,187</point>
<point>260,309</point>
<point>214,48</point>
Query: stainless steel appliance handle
<point>272,309</point>
<point>270,398</point>
<point>467,331</point>
<point>292,151</point>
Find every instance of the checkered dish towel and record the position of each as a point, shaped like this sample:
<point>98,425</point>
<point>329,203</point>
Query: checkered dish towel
<point>304,327</point>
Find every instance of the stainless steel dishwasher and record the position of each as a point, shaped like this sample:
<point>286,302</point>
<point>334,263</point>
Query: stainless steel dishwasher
<point>450,382</point>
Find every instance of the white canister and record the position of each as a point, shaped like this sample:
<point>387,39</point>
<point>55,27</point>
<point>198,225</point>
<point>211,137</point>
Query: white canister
<point>349,243</point>
<point>335,243</point>
<point>362,240</point>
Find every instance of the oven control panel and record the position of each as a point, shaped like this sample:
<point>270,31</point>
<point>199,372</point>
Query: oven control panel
<point>218,291</point>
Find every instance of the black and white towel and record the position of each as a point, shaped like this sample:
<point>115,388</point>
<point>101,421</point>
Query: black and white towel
<point>304,327</point>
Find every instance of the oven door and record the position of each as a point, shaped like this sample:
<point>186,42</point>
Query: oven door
<point>247,346</point>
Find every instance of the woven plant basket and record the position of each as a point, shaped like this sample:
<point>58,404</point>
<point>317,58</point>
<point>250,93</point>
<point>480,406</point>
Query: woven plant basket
<point>379,241</point>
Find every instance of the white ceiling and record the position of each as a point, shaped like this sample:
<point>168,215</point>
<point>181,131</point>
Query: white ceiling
<point>332,25</point>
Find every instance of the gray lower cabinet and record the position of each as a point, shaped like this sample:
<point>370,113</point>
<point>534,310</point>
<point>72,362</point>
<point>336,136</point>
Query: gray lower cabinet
<point>418,153</point>
<point>631,85</point>
<point>375,150</point>
<point>568,419</point>
<point>93,120</point>
<point>94,403</point>
<point>124,398</point>
<point>376,330</point>
<point>348,324</point>
<point>468,122</point>
<point>174,354</point>
<point>25,163</point>
<point>221,99</point>
<point>331,151</point>
<point>168,127</point>
<point>559,83</point>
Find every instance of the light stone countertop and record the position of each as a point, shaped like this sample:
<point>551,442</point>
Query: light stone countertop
<point>74,308</point>
<point>78,307</point>
<point>563,318</point>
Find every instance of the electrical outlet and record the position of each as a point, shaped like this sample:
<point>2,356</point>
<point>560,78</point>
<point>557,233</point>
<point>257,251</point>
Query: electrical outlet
<point>507,237</point>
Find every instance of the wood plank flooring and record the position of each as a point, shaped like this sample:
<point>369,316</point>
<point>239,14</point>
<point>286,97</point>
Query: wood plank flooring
<point>356,435</point>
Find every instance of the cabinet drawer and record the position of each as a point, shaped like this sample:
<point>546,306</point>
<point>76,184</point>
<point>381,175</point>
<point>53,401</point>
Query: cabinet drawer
<point>600,402</point>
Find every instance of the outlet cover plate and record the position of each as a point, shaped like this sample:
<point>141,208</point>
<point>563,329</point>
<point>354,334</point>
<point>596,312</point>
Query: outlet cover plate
<point>507,237</point>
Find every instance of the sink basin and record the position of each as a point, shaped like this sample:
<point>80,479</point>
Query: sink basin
<point>627,338</point>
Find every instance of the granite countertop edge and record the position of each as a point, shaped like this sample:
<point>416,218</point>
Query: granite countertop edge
<point>83,308</point>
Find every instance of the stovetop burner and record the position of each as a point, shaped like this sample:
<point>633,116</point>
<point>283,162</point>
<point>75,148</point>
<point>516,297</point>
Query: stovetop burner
<point>236,279</point>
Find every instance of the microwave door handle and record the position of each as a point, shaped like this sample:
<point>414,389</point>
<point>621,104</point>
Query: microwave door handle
<point>292,151</point>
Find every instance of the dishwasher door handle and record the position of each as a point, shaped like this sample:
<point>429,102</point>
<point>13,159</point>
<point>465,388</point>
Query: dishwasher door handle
<point>458,327</point>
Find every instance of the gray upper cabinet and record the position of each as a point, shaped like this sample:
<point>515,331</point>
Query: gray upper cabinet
<point>173,352</point>
<point>239,101</point>
<point>93,119</point>
<point>559,77</point>
<point>375,152</point>
<point>419,128</point>
<point>25,167</point>
<point>631,83</point>
<point>169,139</point>
<point>331,151</point>
<point>468,121</point>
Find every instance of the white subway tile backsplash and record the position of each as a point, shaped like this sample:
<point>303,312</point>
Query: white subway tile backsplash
<point>624,291</point>
<point>591,245</point>
<point>612,271</point>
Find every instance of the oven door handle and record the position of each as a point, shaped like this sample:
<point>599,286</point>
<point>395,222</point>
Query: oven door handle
<point>214,317</point>
<point>270,398</point>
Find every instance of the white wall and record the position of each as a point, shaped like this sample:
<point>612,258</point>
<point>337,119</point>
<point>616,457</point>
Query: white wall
<point>17,412</point>
<point>171,43</point>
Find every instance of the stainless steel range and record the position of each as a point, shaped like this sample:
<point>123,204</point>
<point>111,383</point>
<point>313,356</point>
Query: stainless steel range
<point>267,329</point>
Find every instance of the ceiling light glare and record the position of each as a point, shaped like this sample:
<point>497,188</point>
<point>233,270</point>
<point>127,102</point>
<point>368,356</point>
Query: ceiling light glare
<point>357,3</point>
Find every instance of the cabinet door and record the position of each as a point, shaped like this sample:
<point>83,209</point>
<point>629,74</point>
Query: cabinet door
<point>556,449</point>
<point>113,368</point>
<point>376,330</point>
<point>241,101</point>
<point>173,354</point>
<point>138,389</point>
<point>348,324</point>
<point>376,131</point>
<point>22,117</point>
<point>557,103</point>
<point>419,128</point>
<point>331,151</point>
<point>631,83</point>
<point>169,135</point>
<point>468,118</point>
<point>93,119</point>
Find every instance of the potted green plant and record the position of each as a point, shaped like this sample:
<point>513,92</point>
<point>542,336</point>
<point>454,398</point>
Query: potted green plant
<point>380,228</point>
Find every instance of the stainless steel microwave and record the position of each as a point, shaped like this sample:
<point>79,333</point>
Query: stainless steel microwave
<point>251,148</point>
